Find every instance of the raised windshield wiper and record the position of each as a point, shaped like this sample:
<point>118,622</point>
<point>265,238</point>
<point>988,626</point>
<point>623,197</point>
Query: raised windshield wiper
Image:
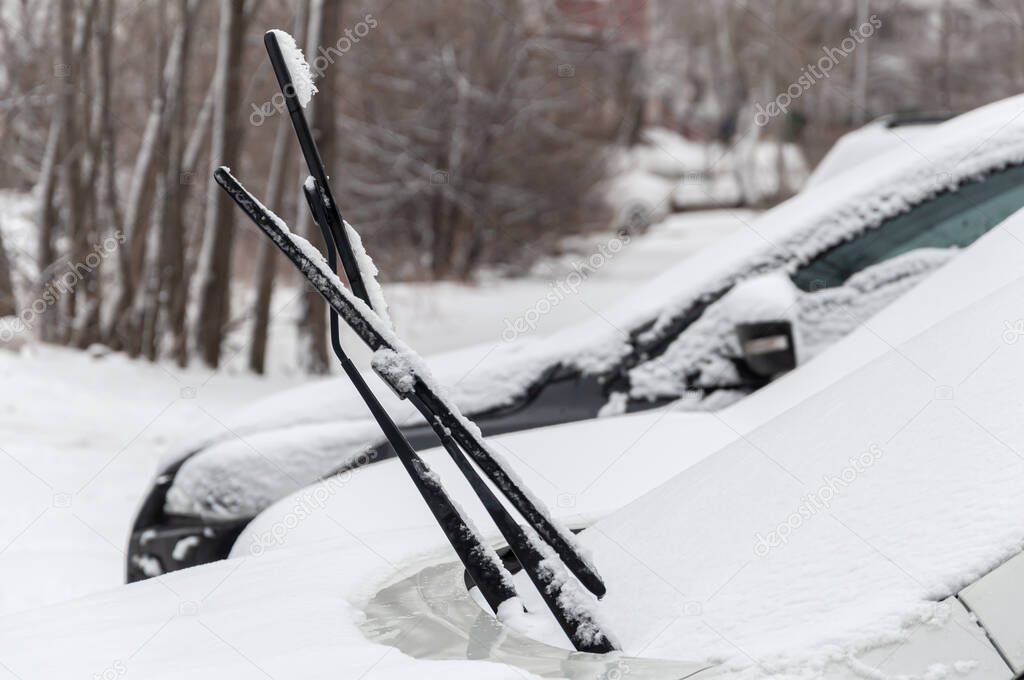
<point>547,551</point>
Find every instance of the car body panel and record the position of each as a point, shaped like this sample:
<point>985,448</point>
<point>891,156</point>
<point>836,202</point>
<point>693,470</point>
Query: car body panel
<point>997,600</point>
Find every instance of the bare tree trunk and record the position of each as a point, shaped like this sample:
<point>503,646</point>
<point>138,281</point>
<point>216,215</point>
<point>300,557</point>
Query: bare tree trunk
<point>266,265</point>
<point>215,264</point>
<point>161,285</point>
<point>101,167</point>
<point>860,66</point>
<point>312,324</point>
<point>76,142</point>
<point>61,137</point>
<point>45,254</point>
<point>125,326</point>
<point>8,300</point>
<point>172,258</point>
<point>945,41</point>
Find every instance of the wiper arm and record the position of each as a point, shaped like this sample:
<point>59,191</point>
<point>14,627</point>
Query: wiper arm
<point>554,588</point>
<point>442,417</point>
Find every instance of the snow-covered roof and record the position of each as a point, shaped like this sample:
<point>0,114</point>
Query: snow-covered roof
<point>865,143</point>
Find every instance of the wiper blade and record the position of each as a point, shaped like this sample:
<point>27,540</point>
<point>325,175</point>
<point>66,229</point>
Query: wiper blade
<point>566,602</point>
<point>543,548</point>
<point>442,417</point>
<point>553,587</point>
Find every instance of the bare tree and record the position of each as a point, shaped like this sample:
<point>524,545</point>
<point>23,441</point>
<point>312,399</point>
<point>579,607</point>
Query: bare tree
<point>312,325</point>
<point>474,145</point>
<point>215,264</point>
<point>45,255</point>
<point>266,264</point>
<point>98,176</point>
<point>8,299</point>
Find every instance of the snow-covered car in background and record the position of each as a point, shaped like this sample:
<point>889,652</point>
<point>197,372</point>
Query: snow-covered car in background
<point>707,333</point>
<point>872,530</point>
<point>877,137</point>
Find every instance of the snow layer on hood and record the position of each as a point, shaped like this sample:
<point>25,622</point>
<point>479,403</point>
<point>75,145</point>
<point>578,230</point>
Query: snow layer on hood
<point>253,471</point>
<point>293,614</point>
<point>302,77</point>
<point>291,439</point>
<point>837,526</point>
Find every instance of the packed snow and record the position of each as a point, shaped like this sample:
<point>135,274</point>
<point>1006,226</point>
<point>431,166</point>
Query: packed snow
<point>369,271</point>
<point>270,616</point>
<point>80,439</point>
<point>302,77</point>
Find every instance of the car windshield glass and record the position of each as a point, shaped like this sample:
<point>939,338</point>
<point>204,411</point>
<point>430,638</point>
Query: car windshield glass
<point>952,218</point>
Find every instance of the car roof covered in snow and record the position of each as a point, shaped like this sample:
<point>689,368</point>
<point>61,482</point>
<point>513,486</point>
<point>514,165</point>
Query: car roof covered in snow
<point>877,137</point>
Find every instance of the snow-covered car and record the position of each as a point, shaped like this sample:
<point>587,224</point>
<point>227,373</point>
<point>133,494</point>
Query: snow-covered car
<point>877,137</point>
<point>712,330</point>
<point>917,443</point>
<point>872,530</point>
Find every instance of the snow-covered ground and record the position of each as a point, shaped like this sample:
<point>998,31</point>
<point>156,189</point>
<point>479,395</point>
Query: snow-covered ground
<point>80,436</point>
<point>79,439</point>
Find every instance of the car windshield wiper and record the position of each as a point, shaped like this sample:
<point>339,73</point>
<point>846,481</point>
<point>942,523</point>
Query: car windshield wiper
<point>547,551</point>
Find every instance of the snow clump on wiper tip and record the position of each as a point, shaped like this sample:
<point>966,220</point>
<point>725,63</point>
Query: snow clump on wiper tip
<point>302,76</point>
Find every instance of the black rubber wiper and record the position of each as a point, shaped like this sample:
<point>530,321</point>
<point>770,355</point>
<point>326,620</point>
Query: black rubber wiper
<point>543,548</point>
<point>578,626</point>
<point>438,414</point>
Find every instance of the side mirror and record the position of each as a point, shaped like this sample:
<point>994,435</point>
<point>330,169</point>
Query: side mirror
<point>767,346</point>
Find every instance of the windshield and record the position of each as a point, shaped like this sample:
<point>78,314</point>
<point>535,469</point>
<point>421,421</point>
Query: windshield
<point>953,218</point>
